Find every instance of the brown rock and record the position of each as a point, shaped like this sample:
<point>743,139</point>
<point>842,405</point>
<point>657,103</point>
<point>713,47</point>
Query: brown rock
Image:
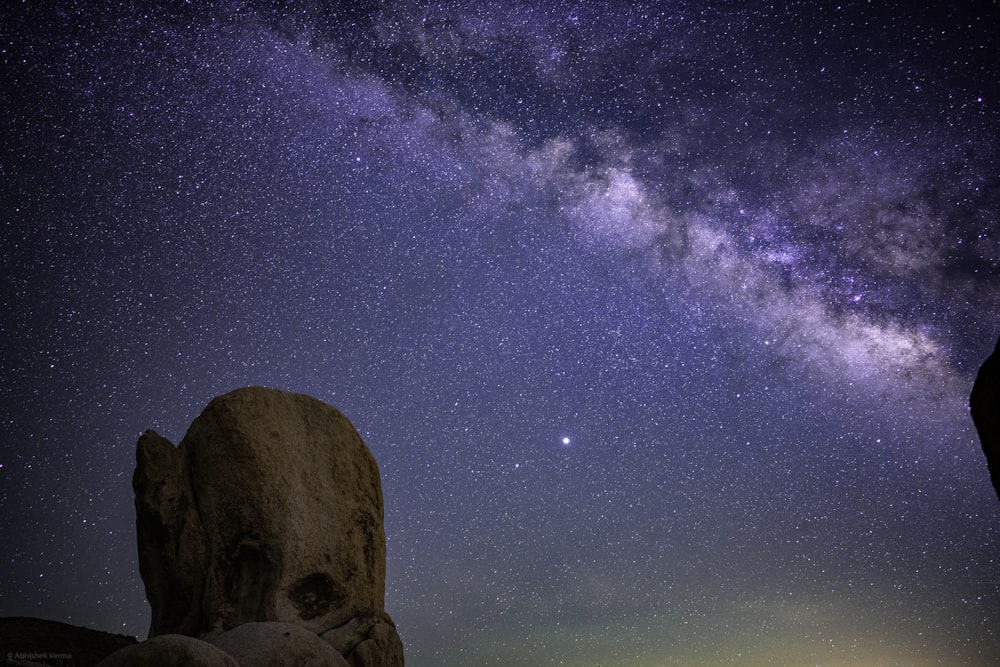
<point>172,544</point>
<point>368,641</point>
<point>270,509</point>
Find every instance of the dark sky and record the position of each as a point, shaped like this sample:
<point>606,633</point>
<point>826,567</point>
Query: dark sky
<point>659,318</point>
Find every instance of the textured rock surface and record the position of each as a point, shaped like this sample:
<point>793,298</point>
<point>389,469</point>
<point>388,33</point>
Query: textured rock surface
<point>278,645</point>
<point>270,509</point>
<point>368,640</point>
<point>28,636</point>
<point>984,404</point>
<point>170,651</point>
<point>172,547</point>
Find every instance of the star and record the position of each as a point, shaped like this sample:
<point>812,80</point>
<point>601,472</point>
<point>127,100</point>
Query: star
<point>476,228</point>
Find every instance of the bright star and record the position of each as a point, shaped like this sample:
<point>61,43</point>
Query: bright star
<point>565,441</point>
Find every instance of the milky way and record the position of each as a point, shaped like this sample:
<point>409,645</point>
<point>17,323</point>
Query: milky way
<point>660,319</point>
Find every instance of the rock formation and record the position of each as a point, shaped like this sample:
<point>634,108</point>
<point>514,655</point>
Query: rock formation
<point>269,510</point>
<point>984,405</point>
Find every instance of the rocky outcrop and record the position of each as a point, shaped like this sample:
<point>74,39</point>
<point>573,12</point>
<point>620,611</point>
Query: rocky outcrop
<point>984,405</point>
<point>35,640</point>
<point>269,510</point>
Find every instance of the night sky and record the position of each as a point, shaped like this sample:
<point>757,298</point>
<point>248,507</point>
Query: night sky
<point>660,319</point>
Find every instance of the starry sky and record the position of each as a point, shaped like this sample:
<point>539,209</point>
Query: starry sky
<point>660,318</point>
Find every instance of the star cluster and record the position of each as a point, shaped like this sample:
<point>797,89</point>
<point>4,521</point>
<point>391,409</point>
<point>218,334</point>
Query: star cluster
<point>659,318</point>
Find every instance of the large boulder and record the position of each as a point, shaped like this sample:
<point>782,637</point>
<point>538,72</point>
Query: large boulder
<point>170,651</point>
<point>270,509</point>
<point>274,644</point>
<point>984,405</point>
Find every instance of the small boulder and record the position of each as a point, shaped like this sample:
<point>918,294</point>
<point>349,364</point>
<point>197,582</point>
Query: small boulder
<point>370,640</point>
<point>274,644</point>
<point>170,651</point>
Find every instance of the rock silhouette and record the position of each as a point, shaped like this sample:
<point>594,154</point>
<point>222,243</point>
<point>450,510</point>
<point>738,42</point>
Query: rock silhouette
<point>22,639</point>
<point>269,511</point>
<point>984,405</point>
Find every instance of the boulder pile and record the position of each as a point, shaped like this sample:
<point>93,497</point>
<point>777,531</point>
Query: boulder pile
<point>261,540</point>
